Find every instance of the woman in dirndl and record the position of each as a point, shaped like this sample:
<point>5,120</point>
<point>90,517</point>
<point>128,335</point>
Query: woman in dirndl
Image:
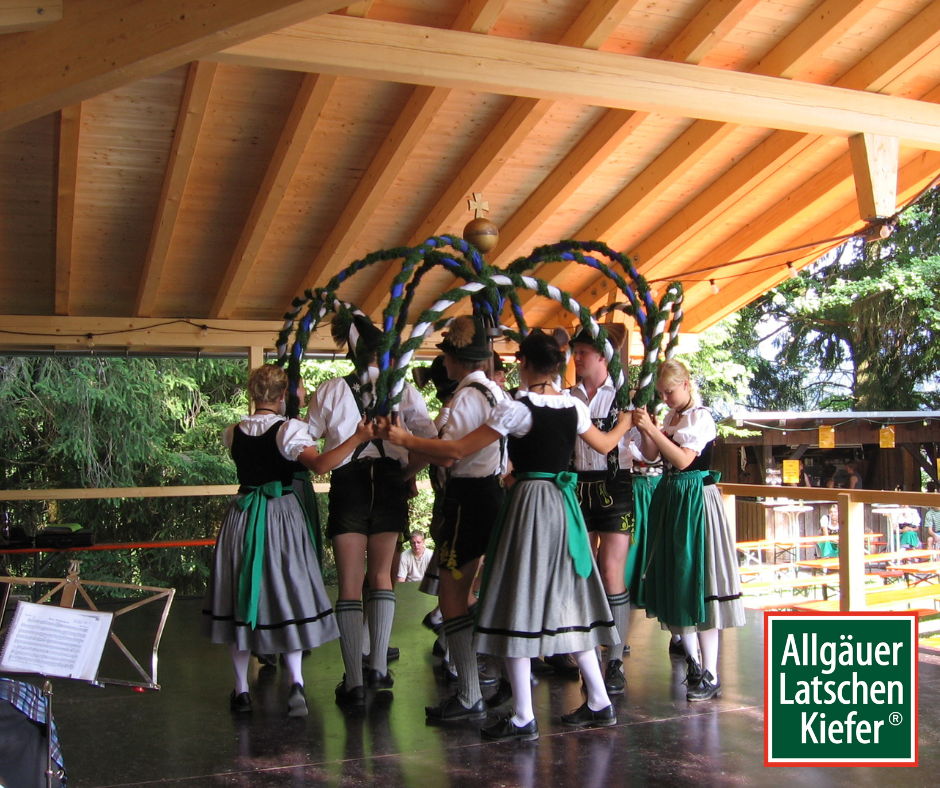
<point>265,592</point>
<point>541,593</point>
<point>688,575</point>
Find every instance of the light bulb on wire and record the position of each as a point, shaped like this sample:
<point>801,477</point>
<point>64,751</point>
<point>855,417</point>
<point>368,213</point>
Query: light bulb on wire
<point>714,285</point>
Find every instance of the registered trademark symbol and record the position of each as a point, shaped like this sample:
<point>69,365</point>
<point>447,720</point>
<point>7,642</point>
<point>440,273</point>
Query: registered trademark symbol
<point>895,718</point>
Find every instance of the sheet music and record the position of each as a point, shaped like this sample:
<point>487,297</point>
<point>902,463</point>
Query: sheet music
<point>55,641</point>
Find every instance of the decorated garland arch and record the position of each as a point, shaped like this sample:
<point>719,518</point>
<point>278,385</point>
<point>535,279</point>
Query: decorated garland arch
<point>489,288</point>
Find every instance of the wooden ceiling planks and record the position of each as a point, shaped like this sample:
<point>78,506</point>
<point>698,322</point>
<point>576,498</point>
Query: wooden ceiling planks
<point>264,201</point>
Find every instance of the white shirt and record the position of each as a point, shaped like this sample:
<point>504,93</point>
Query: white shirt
<point>411,568</point>
<point>585,458</point>
<point>334,415</point>
<point>510,417</point>
<point>470,409</point>
<point>693,430</point>
<point>292,437</point>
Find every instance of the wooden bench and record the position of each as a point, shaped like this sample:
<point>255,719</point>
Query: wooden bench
<point>794,584</point>
<point>756,570</point>
<point>878,599</point>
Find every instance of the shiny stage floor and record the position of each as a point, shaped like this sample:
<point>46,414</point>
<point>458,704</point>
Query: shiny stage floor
<point>185,736</point>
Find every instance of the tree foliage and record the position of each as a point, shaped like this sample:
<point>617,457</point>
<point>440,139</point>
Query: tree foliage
<point>856,330</point>
<point>95,422</point>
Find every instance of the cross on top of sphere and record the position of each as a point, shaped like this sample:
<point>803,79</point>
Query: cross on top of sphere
<point>478,205</point>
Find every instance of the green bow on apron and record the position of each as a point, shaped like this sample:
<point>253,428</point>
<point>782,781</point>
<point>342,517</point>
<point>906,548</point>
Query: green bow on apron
<point>249,581</point>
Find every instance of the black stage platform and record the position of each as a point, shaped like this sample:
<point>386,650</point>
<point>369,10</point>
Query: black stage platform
<point>184,735</point>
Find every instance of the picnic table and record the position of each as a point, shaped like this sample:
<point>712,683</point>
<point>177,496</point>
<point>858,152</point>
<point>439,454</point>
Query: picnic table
<point>825,564</point>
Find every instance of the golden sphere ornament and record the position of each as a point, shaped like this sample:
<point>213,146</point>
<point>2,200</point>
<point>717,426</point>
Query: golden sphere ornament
<point>482,233</point>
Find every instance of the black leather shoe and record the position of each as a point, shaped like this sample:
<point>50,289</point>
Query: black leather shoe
<point>428,624</point>
<point>583,717</point>
<point>614,679</point>
<point>375,680</point>
<point>502,695</point>
<point>240,703</point>
<point>676,649</point>
<point>505,730</point>
<point>708,687</point>
<point>437,650</point>
<point>486,680</point>
<point>297,701</point>
<point>564,665</point>
<point>693,673</point>
<point>453,709</point>
<point>449,672</point>
<point>350,697</point>
<point>268,661</point>
<point>539,668</point>
<point>390,656</point>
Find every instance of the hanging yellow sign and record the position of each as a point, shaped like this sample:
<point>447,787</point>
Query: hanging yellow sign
<point>827,437</point>
<point>886,437</point>
<point>791,471</point>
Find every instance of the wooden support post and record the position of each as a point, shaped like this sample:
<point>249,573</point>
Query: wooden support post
<point>851,553</point>
<point>875,162</point>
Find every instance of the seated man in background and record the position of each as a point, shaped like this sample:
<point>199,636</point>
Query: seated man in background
<point>414,562</point>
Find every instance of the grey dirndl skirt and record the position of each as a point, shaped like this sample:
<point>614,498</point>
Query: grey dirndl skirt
<point>294,611</point>
<point>533,602</point>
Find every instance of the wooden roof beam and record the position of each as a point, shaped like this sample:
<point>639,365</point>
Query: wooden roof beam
<point>476,17</point>
<point>703,136</point>
<point>406,53</point>
<point>706,309</point>
<point>607,135</point>
<point>592,27</point>
<point>188,125</point>
<point>99,45</point>
<point>884,66</point>
<point>70,124</point>
<point>875,163</point>
<point>311,99</point>
<point>17,15</point>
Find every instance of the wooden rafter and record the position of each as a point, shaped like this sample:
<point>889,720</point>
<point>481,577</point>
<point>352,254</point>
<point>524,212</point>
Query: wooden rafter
<point>694,143</point>
<point>707,28</point>
<point>70,123</point>
<point>98,45</point>
<point>17,15</point>
<point>779,150</point>
<point>191,116</point>
<point>913,178</point>
<point>312,97</point>
<point>413,120</point>
<point>607,135</point>
<point>388,51</point>
<point>604,138</point>
<point>592,27</point>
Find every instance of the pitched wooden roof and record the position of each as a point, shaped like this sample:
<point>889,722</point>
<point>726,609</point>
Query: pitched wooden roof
<point>167,159</point>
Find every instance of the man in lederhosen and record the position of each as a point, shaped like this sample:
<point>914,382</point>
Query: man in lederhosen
<point>605,489</point>
<point>473,495</point>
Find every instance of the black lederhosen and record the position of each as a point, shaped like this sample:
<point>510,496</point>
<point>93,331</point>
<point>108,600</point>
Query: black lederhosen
<point>368,496</point>
<point>607,504</point>
<point>471,506</point>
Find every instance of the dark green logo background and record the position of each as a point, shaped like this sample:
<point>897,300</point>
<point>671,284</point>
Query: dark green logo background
<point>879,730</point>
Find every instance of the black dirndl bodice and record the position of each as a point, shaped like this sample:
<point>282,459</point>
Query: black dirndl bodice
<point>258,459</point>
<point>548,446</point>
